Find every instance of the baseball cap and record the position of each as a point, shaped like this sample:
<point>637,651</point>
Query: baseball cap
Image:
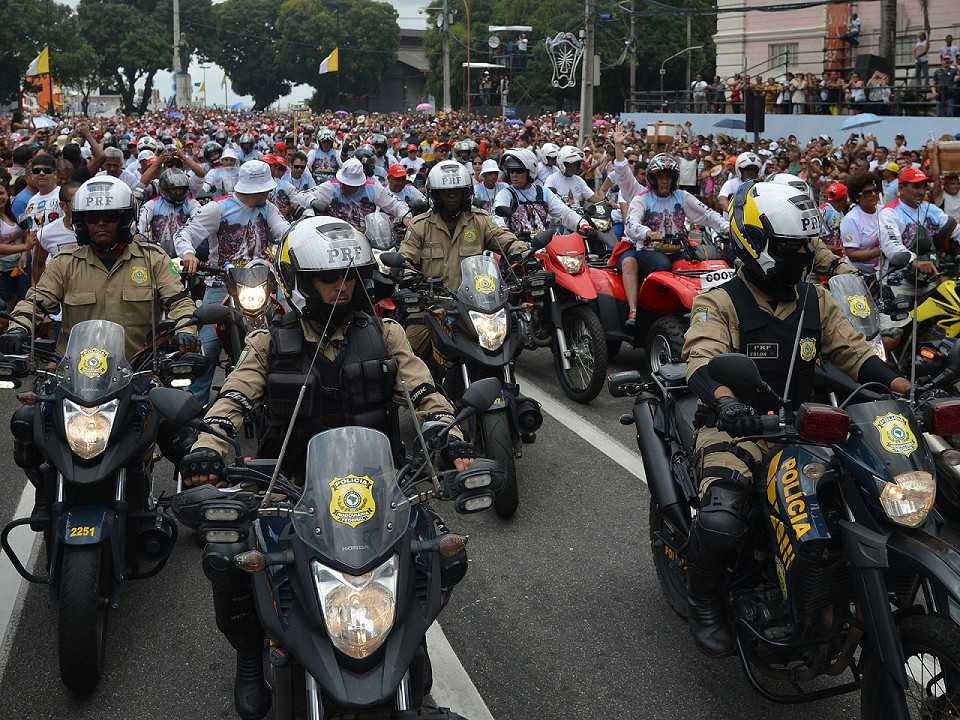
<point>397,170</point>
<point>351,173</point>
<point>489,166</point>
<point>145,155</point>
<point>410,147</point>
<point>255,177</point>
<point>229,152</point>
<point>774,147</point>
<point>892,167</point>
<point>912,175</point>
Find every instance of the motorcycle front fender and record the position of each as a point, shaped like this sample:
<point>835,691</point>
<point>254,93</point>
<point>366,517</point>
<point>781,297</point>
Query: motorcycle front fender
<point>580,284</point>
<point>922,553</point>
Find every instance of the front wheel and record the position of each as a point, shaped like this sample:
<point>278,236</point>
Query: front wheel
<point>931,647</point>
<point>84,601</point>
<point>587,345</point>
<point>665,341</point>
<point>498,446</point>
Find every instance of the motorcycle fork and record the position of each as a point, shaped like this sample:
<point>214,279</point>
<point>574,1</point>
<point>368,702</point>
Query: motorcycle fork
<point>314,703</point>
<point>557,320</point>
<point>404,696</point>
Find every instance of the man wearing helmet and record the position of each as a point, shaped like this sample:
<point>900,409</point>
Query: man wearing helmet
<point>363,369</point>
<point>746,168</point>
<point>379,143</point>
<point>567,183</point>
<point>323,161</point>
<point>758,313</point>
<point>462,153</point>
<point>161,217</point>
<point>547,166</point>
<point>528,206</point>
<point>658,214</point>
<point>111,275</point>
<point>351,196</point>
<point>221,179</point>
<point>237,228</point>
<point>485,191</point>
<point>368,160</point>
<point>248,151</point>
<point>453,229</point>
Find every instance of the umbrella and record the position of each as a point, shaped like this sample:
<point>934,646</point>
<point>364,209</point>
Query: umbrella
<point>731,124</point>
<point>425,107</point>
<point>564,120</point>
<point>601,123</point>
<point>237,106</point>
<point>860,120</point>
<point>515,122</point>
<point>341,113</point>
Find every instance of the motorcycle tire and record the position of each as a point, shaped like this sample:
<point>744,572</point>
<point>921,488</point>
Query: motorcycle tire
<point>670,572</point>
<point>83,605</point>
<point>590,331</point>
<point>923,636</point>
<point>498,446</point>
<point>665,341</point>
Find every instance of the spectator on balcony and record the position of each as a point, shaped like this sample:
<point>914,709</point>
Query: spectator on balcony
<point>852,36</point>
<point>698,90</point>
<point>522,51</point>
<point>856,95</point>
<point>771,91</point>
<point>812,94</point>
<point>949,50</point>
<point>783,100</point>
<point>715,95</point>
<point>920,52</point>
<point>798,86</point>
<point>486,88</point>
<point>945,86</point>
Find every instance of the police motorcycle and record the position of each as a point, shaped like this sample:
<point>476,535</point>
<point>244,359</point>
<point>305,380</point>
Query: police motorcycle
<point>252,294</point>
<point>475,334</point>
<point>85,438</point>
<point>843,571</point>
<point>350,571</point>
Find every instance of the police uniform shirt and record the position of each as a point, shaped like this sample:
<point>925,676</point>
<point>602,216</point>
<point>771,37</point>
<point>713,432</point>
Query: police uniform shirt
<point>715,329</point>
<point>249,378</point>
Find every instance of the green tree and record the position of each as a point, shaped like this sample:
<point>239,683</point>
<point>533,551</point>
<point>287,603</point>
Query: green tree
<point>243,41</point>
<point>133,39</point>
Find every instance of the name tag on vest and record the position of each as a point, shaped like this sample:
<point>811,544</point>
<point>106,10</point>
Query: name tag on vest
<point>763,351</point>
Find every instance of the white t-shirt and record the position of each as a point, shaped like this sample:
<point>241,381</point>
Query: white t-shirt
<point>44,209</point>
<point>57,238</point>
<point>572,190</point>
<point>730,187</point>
<point>688,172</point>
<point>951,205</point>
<point>861,231</point>
<point>699,88</point>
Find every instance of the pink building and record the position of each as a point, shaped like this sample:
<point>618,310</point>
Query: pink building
<point>765,43</point>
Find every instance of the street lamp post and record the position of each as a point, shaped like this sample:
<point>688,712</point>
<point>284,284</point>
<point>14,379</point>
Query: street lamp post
<point>663,70</point>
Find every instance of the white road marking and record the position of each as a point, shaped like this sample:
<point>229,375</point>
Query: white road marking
<point>626,458</point>
<point>452,686</point>
<point>13,588</point>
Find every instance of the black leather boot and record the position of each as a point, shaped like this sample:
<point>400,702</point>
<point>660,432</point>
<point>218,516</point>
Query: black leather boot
<point>706,619</point>
<point>250,693</point>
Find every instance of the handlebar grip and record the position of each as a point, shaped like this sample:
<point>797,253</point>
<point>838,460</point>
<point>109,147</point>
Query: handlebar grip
<point>770,423</point>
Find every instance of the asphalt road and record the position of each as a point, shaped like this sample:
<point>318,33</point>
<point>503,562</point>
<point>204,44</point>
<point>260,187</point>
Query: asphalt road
<point>559,617</point>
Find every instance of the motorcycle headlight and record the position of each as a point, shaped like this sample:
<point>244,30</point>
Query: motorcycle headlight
<point>909,497</point>
<point>88,428</point>
<point>571,263</point>
<point>358,610</point>
<point>252,299</point>
<point>491,329</point>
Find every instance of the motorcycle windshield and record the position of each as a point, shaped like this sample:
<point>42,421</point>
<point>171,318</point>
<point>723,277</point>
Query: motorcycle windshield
<point>851,294</point>
<point>379,230</point>
<point>352,510</point>
<point>94,365</point>
<point>481,287</point>
<point>252,275</point>
<point>890,436</point>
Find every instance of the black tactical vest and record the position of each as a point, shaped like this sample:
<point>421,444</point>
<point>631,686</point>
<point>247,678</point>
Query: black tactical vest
<point>356,388</point>
<point>769,341</point>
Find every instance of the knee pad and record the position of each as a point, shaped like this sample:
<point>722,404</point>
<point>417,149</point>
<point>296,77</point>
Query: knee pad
<point>725,512</point>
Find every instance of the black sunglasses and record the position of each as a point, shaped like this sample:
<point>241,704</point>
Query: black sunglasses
<point>42,170</point>
<point>96,217</point>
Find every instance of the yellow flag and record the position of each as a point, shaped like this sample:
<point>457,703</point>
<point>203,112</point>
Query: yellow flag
<point>331,63</point>
<point>40,64</point>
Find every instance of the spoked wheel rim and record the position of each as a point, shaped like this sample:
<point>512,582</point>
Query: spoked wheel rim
<point>660,353</point>
<point>928,695</point>
<point>582,358</point>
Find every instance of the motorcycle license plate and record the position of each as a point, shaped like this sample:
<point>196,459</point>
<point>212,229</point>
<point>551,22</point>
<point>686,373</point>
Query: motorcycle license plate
<point>716,277</point>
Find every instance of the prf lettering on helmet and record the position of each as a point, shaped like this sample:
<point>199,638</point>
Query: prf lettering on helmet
<point>99,200</point>
<point>343,253</point>
<point>810,222</point>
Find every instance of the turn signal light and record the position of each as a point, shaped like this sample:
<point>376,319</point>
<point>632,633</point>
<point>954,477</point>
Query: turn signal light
<point>822,423</point>
<point>251,561</point>
<point>945,416</point>
<point>928,353</point>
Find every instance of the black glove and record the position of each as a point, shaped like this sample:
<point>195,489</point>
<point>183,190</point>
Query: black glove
<point>203,462</point>
<point>737,418</point>
<point>458,449</point>
<point>14,342</point>
<point>187,342</point>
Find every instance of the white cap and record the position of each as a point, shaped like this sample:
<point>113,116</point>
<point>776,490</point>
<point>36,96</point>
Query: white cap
<point>229,152</point>
<point>705,148</point>
<point>351,173</point>
<point>145,155</point>
<point>255,177</point>
<point>774,147</point>
<point>489,166</point>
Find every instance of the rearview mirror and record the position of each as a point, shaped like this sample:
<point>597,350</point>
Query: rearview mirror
<point>393,259</point>
<point>735,371</point>
<point>175,405</point>
<point>212,313</point>
<point>542,239</point>
<point>481,394</point>
<point>503,211</point>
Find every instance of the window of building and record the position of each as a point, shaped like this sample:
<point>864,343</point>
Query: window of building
<point>782,56</point>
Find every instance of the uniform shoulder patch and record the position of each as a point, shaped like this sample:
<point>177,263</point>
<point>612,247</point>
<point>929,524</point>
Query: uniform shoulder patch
<point>699,314</point>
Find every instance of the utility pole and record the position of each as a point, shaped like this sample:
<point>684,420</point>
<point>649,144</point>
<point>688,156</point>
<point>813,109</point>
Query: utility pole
<point>445,36</point>
<point>586,89</point>
<point>689,57</point>
<point>633,54</point>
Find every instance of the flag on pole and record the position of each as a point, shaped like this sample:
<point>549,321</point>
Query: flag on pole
<point>331,63</point>
<point>40,64</point>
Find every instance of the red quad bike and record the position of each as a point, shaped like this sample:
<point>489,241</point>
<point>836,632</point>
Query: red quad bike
<point>587,308</point>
